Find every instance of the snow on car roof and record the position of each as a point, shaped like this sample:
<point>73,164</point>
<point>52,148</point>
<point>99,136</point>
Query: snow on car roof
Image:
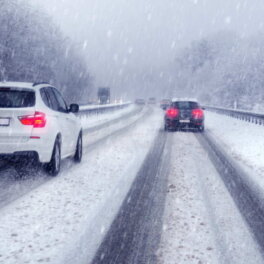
<point>16,84</point>
<point>184,99</point>
<point>24,84</point>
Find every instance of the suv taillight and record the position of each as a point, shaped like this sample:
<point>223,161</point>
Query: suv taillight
<point>36,120</point>
<point>197,114</point>
<point>172,112</point>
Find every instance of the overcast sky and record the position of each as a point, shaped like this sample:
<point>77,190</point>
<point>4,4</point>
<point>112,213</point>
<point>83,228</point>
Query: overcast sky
<point>131,37</point>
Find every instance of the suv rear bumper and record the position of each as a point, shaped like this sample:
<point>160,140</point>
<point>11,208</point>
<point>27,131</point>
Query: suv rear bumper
<point>28,155</point>
<point>33,148</point>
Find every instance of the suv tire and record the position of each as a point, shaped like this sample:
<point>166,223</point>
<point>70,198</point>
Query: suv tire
<point>78,153</point>
<point>53,167</point>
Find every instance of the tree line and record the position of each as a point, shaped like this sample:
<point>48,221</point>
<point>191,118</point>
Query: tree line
<point>223,69</point>
<point>33,49</point>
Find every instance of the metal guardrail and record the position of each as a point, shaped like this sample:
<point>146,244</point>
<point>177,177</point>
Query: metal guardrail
<point>238,114</point>
<point>100,109</point>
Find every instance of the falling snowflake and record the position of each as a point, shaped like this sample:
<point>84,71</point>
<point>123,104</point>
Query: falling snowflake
<point>130,50</point>
<point>84,44</point>
<point>228,20</point>
<point>109,33</point>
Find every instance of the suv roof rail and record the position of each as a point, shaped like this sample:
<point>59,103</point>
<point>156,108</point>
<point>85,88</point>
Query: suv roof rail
<point>38,83</point>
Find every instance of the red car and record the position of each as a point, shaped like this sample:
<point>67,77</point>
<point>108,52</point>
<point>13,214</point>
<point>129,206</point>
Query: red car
<point>184,114</point>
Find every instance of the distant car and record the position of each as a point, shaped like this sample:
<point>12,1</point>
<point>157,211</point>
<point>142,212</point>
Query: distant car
<point>36,123</point>
<point>140,101</point>
<point>184,114</point>
<point>152,100</point>
<point>165,103</point>
<point>103,95</point>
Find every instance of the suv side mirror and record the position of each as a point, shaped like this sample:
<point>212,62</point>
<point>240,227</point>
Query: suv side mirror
<point>74,108</point>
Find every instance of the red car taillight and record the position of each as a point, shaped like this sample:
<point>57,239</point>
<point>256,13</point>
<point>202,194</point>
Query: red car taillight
<point>197,114</point>
<point>36,120</point>
<point>172,112</point>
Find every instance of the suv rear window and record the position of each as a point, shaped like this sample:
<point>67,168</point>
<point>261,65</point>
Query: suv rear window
<point>16,98</point>
<point>185,105</point>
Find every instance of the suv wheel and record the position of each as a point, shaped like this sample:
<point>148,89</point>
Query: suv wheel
<point>53,167</point>
<point>78,152</point>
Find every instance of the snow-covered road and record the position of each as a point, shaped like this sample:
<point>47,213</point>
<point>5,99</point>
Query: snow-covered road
<point>244,141</point>
<point>201,222</point>
<point>63,220</point>
<point>108,124</point>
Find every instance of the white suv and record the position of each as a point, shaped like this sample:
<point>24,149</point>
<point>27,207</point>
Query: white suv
<point>36,122</point>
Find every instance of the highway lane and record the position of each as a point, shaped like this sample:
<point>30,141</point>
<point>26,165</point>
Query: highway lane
<point>12,186</point>
<point>134,236</point>
<point>248,197</point>
<point>95,188</point>
<point>135,233</point>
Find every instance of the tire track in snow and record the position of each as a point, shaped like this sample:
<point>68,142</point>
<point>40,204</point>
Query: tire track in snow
<point>202,223</point>
<point>135,233</point>
<point>248,197</point>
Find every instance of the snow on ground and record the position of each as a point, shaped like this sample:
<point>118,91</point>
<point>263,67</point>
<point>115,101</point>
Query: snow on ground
<point>115,126</point>
<point>201,222</point>
<point>244,141</point>
<point>10,189</point>
<point>64,220</point>
<point>93,119</point>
